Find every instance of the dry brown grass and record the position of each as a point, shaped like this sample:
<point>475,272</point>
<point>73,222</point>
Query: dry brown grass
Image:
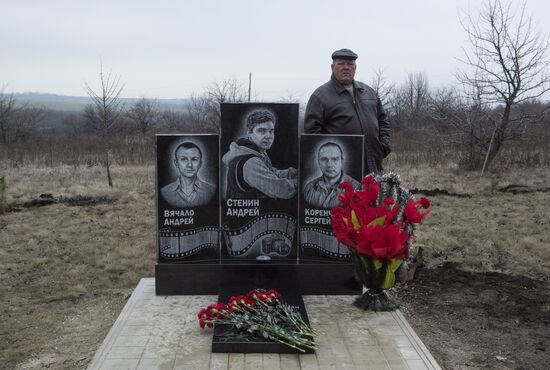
<point>67,270</point>
<point>490,230</point>
<point>505,232</point>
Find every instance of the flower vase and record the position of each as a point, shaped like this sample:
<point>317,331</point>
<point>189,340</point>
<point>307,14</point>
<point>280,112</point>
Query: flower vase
<point>377,276</point>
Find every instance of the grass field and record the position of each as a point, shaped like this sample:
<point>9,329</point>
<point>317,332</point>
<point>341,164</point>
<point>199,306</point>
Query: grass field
<point>68,267</point>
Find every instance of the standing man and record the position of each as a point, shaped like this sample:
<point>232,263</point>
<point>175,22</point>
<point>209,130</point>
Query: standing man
<point>323,191</point>
<point>250,174</point>
<point>345,106</point>
<point>188,190</point>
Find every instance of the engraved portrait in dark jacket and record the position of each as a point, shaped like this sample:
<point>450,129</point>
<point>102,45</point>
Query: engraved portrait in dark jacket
<point>250,173</point>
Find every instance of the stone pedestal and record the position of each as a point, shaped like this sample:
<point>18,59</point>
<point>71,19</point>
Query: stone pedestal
<point>312,278</point>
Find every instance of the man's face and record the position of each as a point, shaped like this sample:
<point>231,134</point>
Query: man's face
<point>188,161</point>
<point>343,70</point>
<point>330,161</point>
<point>263,135</point>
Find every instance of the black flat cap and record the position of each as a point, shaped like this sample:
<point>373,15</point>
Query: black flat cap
<point>344,54</point>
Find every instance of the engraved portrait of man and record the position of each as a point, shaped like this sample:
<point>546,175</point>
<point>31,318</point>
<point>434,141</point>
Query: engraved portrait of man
<point>323,191</point>
<point>250,173</point>
<point>189,190</point>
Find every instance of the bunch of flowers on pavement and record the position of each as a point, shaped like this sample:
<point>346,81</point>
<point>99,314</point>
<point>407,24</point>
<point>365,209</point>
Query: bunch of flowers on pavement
<point>261,313</point>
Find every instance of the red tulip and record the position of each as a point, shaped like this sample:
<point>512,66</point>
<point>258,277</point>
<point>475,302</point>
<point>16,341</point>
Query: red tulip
<point>425,203</point>
<point>388,201</point>
<point>373,230</point>
<point>370,191</point>
<point>346,196</point>
<point>382,242</point>
<point>411,212</point>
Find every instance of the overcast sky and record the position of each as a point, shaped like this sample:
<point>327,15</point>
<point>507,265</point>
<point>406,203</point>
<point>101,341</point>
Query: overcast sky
<point>168,49</point>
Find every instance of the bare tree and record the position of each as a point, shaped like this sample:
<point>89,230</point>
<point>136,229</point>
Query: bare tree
<point>72,123</point>
<point>289,97</point>
<point>174,119</point>
<point>462,121</point>
<point>143,114</point>
<point>26,119</point>
<point>408,103</point>
<point>105,110</point>
<point>18,121</point>
<point>204,113</point>
<point>506,64</point>
<point>7,110</point>
<point>228,91</point>
<point>416,94</point>
<point>204,110</point>
<point>381,86</point>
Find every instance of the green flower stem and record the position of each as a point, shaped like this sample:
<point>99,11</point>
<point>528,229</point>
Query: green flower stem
<point>298,322</point>
<point>284,325</point>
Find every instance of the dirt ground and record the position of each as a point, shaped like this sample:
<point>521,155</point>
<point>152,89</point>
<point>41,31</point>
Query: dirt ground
<point>70,259</point>
<point>480,320</point>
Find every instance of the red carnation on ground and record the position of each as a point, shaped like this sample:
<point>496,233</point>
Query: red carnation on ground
<point>275,295</point>
<point>269,318</point>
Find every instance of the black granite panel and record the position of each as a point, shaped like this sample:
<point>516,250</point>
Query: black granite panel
<point>259,147</point>
<point>187,170</point>
<point>326,161</point>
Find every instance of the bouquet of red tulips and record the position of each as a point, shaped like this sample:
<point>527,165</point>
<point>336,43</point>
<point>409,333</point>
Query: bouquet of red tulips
<point>377,224</point>
<point>264,313</point>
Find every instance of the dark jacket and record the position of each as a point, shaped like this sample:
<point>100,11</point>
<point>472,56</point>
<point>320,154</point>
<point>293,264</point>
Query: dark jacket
<point>237,187</point>
<point>332,110</point>
<point>250,174</point>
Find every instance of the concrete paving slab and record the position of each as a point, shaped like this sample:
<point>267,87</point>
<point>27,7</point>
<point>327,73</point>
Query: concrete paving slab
<point>162,332</point>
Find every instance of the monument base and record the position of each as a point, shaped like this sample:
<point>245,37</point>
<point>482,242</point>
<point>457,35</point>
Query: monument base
<point>201,279</point>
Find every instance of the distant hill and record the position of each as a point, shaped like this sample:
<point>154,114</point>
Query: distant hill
<point>77,103</point>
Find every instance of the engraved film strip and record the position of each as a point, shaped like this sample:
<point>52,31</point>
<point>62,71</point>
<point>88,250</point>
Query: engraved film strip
<point>239,241</point>
<point>180,244</point>
<point>323,241</point>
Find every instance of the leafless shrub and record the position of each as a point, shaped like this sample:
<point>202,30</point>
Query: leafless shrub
<point>7,109</point>
<point>204,109</point>
<point>143,115</point>
<point>174,120</point>
<point>18,122</point>
<point>381,86</point>
<point>204,113</point>
<point>408,103</point>
<point>464,123</point>
<point>26,119</point>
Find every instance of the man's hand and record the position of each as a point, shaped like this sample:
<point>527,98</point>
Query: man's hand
<point>292,173</point>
